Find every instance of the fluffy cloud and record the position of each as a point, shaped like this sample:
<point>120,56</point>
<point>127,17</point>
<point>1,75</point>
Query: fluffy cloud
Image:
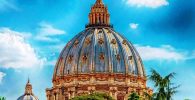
<point>165,52</point>
<point>15,52</point>
<point>133,25</point>
<point>147,3</point>
<point>47,31</point>
<point>1,76</point>
<point>7,4</point>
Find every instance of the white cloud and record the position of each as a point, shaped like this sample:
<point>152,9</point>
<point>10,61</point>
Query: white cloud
<point>15,52</point>
<point>165,52</point>
<point>2,75</point>
<point>7,4</point>
<point>147,3</point>
<point>46,38</point>
<point>133,25</point>
<point>47,31</point>
<point>21,34</point>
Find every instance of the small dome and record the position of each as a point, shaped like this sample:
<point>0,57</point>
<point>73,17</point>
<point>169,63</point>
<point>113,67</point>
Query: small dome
<point>28,95</point>
<point>99,50</point>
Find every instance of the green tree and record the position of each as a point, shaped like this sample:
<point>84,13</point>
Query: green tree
<point>2,98</point>
<point>93,96</point>
<point>165,90</point>
<point>134,96</point>
<point>148,96</point>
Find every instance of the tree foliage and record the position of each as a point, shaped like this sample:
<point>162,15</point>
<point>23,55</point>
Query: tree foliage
<point>165,88</point>
<point>2,98</point>
<point>134,96</point>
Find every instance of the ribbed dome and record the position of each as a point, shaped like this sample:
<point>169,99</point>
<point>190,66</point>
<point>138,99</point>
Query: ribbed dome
<point>27,97</point>
<point>98,59</point>
<point>99,50</point>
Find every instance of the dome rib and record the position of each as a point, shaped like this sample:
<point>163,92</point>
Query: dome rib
<point>79,48</point>
<point>114,52</point>
<point>101,52</point>
<point>134,53</point>
<point>93,53</point>
<point>135,59</point>
<point>83,52</point>
<point>90,46</point>
<point>121,47</point>
<point>56,69</point>
<point>60,60</point>
<point>120,53</point>
<point>142,66</point>
<point>108,51</point>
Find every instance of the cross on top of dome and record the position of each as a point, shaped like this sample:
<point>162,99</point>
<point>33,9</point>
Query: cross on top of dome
<point>28,81</point>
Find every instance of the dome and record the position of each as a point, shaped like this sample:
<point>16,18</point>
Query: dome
<point>28,95</point>
<point>99,50</point>
<point>98,59</point>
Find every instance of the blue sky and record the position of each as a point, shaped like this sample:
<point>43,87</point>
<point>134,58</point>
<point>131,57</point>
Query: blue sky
<point>33,32</point>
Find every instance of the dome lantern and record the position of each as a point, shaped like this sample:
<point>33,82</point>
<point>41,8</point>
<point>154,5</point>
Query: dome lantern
<point>99,15</point>
<point>28,88</point>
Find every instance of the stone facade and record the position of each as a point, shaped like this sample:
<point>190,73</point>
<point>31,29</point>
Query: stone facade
<point>119,86</point>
